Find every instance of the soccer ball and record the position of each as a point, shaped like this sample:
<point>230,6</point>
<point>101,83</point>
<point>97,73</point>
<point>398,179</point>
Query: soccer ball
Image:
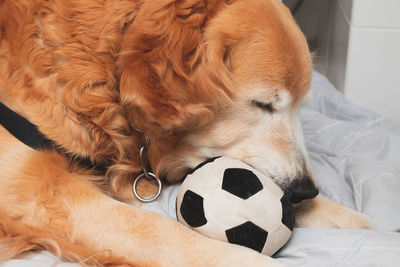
<point>228,200</point>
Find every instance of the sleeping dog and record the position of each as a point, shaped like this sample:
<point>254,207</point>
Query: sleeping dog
<point>199,78</point>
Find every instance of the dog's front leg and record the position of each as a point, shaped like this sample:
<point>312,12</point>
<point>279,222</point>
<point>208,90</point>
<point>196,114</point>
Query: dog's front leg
<point>323,213</point>
<point>149,239</point>
<point>43,203</point>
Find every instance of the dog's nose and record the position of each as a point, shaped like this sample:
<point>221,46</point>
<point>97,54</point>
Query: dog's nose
<point>302,189</point>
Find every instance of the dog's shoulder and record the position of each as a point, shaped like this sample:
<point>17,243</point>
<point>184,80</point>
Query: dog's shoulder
<point>58,69</point>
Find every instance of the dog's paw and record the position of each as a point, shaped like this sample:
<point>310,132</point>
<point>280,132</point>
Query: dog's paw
<point>323,213</point>
<point>349,219</point>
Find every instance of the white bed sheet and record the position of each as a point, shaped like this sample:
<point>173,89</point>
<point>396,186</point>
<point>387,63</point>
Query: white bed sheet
<point>355,155</point>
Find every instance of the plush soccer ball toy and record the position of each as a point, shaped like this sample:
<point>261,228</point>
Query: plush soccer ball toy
<point>228,200</point>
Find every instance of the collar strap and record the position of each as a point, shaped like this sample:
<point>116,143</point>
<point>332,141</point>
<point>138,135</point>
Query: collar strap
<point>23,129</point>
<point>29,134</point>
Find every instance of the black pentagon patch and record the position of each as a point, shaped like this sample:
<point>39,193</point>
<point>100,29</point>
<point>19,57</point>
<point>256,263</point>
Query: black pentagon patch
<point>192,209</point>
<point>249,235</point>
<point>241,182</point>
<point>287,212</point>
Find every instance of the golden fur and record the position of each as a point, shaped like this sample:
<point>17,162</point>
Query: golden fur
<point>183,71</point>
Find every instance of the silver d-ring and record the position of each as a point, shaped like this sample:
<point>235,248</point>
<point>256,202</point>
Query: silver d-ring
<point>147,200</point>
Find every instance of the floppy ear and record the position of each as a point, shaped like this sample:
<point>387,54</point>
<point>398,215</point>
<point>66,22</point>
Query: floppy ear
<point>157,57</point>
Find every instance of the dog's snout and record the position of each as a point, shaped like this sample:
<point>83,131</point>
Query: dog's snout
<point>302,189</point>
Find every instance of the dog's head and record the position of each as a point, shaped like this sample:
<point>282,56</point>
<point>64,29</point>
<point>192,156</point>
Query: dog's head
<point>224,78</point>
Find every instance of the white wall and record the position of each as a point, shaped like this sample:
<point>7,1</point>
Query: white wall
<point>357,44</point>
<point>373,66</point>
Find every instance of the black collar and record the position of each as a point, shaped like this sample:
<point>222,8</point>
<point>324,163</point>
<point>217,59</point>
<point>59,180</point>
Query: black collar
<point>29,134</point>
<point>23,129</point>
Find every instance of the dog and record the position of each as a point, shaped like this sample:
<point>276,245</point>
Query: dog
<point>198,78</point>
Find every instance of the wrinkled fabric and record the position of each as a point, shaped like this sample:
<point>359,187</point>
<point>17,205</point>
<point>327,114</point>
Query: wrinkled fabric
<point>355,155</point>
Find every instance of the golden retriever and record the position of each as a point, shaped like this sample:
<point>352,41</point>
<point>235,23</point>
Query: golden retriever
<point>201,78</point>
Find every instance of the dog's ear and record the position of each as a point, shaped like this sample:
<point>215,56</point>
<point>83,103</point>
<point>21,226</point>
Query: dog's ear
<point>159,52</point>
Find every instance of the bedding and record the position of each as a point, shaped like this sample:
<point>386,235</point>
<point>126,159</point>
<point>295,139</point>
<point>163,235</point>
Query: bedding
<point>355,155</point>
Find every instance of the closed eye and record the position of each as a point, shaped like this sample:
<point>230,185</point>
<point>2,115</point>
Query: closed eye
<point>264,106</point>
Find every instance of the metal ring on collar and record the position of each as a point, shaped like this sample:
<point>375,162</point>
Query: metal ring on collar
<point>147,200</point>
